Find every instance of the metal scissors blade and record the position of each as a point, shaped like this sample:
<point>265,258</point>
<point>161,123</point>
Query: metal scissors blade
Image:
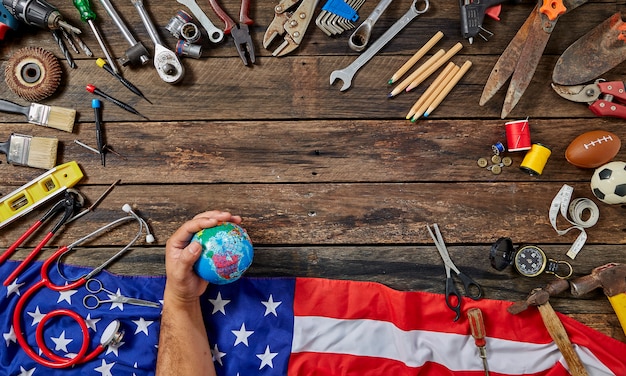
<point>92,301</point>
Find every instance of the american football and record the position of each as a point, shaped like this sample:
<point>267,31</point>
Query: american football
<point>593,149</point>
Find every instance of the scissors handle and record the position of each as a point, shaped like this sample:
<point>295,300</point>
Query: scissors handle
<point>451,290</point>
<point>91,302</point>
<point>472,289</point>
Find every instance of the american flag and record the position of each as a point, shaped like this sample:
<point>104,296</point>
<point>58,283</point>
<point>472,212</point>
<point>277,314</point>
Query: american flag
<point>302,326</point>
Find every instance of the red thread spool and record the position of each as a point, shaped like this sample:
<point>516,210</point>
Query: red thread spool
<point>518,135</point>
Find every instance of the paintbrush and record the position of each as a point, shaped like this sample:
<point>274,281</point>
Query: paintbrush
<point>48,116</point>
<point>24,150</point>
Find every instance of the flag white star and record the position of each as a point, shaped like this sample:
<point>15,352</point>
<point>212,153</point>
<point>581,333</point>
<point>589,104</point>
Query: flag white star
<point>91,323</point>
<point>66,295</point>
<point>60,342</point>
<point>116,303</point>
<point>242,335</point>
<point>217,355</point>
<point>113,347</point>
<point>24,372</point>
<point>105,368</point>
<point>14,288</point>
<point>142,325</point>
<point>270,306</point>
<point>37,316</point>
<point>219,303</point>
<point>10,336</point>
<point>266,358</point>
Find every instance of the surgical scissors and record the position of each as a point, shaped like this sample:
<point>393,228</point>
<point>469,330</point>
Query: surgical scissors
<point>92,301</point>
<point>472,289</point>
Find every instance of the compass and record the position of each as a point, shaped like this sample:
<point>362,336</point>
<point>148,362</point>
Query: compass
<point>531,261</point>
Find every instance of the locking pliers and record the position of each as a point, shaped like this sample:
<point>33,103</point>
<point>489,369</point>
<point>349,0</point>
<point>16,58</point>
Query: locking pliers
<point>291,22</point>
<point>599,95</point>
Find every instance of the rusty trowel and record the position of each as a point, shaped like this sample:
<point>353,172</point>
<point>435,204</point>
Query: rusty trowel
<point>594,54</point>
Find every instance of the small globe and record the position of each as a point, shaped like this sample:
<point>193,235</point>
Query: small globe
<point>226,253</point>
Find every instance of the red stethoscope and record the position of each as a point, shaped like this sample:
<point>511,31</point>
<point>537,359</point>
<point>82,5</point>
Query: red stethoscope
<point>112,335</point>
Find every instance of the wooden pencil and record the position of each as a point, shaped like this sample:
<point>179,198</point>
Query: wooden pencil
<point>418,55</point>
<point>432,88</point>
<point>402,85</point>
<point>421,78</point>
<point>446,90</point>
<point>426,103</point>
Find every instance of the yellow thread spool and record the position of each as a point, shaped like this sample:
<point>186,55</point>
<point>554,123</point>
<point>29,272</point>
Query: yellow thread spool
<point>536,158</point>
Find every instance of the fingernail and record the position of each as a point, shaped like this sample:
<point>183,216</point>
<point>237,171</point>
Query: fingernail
<point>194,248</point>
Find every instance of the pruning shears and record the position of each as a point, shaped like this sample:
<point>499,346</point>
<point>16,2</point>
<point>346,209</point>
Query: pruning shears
<point>604,98</point>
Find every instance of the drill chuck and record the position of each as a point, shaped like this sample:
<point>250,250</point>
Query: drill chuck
<point>35,13</point>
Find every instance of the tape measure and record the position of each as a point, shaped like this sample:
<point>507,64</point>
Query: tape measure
<point>575,210</point>
<point>38,191</point>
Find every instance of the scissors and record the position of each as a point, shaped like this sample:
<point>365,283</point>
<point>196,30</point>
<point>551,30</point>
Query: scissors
<point>112,334</point>
<point>92,301</point>
<point>472,289</point>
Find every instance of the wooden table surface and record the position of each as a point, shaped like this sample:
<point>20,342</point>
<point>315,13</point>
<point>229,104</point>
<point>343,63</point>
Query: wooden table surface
<point>330,184</point>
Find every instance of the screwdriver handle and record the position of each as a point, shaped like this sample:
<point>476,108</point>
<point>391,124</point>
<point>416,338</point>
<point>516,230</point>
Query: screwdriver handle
<point>84,8</point>
<point>477,326</point>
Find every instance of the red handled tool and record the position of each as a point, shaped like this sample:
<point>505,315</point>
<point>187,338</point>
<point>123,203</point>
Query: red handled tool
<point>68,205</point>
<point>600,96</point>
<point>477,327</point>
<point>239,31</point>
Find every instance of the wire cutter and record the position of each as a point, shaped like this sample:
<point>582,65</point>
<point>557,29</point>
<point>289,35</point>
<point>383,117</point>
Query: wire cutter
<point>472,289</point>
<point>521,57</point>
<point>240,31</point>
<point>599,96</point>
<point>292,18</point>
<point>68,206</point>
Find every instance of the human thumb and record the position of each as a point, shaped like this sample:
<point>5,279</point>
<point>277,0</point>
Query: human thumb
<point>191,253</point>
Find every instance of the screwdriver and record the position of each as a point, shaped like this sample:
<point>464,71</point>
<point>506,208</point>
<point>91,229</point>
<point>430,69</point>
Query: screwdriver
<point>92,89</point>
<point>96,104</point>
<point>88,15</point>
<point>477,327</point>
<point>104,65</point>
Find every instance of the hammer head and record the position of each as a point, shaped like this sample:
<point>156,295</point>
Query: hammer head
<point>610,277</point>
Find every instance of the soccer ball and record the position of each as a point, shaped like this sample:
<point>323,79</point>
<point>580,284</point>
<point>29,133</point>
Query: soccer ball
<point>608,183</point>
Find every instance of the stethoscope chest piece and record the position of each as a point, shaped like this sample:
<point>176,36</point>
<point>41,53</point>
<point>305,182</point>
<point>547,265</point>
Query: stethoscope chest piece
<point>112,334</point>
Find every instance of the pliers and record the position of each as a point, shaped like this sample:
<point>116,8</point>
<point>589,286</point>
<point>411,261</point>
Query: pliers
<point>599,96</point>
<point>71,202</point>
<point>239,31</point>
<point>289,21</point>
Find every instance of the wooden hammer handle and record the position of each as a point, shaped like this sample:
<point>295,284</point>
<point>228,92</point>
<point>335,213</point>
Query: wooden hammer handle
<point>559,335</point>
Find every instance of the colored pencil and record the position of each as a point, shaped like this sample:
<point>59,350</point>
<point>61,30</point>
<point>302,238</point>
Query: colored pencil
<point>431,89</point>
<point>402,85</point>
<point>421,78</point>
<point>418,55</point>
<point>446,90</point>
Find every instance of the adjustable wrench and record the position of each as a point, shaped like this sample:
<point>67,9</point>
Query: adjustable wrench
<point>166,62</point>
<point>215,34</point>
<point>348,72</point>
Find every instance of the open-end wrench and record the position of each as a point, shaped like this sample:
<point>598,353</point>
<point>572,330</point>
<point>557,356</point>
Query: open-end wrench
<point>215,34</point>
<point>361,36</point>
<point>166,62</point>
<point>348,72</point>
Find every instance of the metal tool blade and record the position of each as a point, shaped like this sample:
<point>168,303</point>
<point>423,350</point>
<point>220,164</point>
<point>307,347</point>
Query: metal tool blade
<point>595,53</point>
<point>578,93</point>
<point>526,65</point>
<point>505,66</point>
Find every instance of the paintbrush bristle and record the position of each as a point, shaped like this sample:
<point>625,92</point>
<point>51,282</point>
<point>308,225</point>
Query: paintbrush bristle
<point>43,152</point>
<point>61,118</point>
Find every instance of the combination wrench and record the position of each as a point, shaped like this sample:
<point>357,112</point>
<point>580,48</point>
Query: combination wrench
<point>215,34</point>
<point>348,72</point>
<point>361,36</point>
<point>166,62</point>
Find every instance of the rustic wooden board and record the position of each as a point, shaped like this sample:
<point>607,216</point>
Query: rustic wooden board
<point>330,184</point>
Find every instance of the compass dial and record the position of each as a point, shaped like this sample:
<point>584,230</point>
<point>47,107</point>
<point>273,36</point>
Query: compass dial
<point>530,261</point>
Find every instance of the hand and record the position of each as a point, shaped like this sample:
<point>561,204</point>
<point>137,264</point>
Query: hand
<point>183,284</point>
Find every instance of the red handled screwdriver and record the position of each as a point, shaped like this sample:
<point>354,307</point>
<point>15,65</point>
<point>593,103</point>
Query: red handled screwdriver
<point>92,89</point>
<point>477,327</point>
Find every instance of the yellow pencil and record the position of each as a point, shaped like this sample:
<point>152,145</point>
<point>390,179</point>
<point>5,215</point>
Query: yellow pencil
<point>420,111</point>
<point>446,90</point>
<point>442,77</point>
<point>402,85</point>
<point>421,78</point>
<point>418,55</point>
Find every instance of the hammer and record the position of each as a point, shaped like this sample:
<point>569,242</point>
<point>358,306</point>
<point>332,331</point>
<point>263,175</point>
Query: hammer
<point>612,279</point>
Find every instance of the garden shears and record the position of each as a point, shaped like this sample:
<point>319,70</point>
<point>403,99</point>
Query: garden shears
<point>521,57</point>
